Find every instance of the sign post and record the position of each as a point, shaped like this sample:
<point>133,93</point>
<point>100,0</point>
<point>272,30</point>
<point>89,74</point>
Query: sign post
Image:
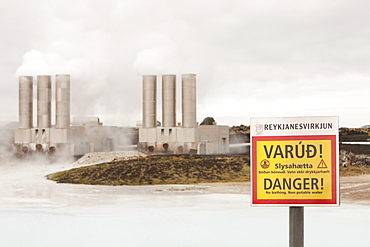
<point>296,226</point>
<point>295,163</point>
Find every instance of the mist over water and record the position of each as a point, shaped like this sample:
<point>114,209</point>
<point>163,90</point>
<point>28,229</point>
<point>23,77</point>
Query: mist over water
<point>37,212</point>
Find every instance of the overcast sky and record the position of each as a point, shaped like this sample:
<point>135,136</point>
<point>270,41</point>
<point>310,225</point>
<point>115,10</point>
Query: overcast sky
<point>252,58</point>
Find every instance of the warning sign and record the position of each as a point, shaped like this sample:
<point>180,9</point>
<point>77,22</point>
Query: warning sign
<point>322,164</point>
<point>294,161</point>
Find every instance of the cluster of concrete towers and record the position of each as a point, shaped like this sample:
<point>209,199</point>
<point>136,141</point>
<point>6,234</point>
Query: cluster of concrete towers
<point>85,135</point>
<point>62,92</point>
<point>29,138</point>
<point>170,137</point>
<point>169,101</point>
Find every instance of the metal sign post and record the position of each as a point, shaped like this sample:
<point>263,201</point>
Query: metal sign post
<point>296,226</point>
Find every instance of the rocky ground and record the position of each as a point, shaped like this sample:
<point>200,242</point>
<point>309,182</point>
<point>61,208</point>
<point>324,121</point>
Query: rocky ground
<point>169,169</point>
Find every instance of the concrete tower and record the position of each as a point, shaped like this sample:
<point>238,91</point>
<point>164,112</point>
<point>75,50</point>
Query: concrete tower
<point>62,99</point>
<point>149,101</point>
<point>189,105</point>
<point>44,101</point>
<point>169,100</point>
<point>25,102</point>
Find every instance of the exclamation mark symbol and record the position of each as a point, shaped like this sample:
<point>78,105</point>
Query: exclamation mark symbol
<point>320,150</point>
<point>322,183</point>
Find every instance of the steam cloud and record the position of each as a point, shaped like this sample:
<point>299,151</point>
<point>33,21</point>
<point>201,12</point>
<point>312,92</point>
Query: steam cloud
<point>301,58</point>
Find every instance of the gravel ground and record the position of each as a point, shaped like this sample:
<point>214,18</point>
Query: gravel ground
<point>100,157</point>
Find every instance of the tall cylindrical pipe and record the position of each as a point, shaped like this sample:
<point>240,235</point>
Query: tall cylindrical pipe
<point>169,100</point>
<point>25,102</point>
<point>189,114</point>
<point>43,101</point>
<point>149,101</point>
<point>62,101</point>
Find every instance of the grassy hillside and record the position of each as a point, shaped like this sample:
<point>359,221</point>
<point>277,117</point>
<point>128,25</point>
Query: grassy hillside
<point>182,169</point>
<point>175,169</point>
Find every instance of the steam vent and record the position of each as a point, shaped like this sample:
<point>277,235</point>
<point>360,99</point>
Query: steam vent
<point>185,137</point>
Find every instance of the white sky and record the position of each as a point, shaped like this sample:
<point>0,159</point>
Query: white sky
<point>252,58</point>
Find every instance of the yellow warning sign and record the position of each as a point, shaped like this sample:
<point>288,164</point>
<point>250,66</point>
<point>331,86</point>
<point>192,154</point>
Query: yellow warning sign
<point>294,169</point>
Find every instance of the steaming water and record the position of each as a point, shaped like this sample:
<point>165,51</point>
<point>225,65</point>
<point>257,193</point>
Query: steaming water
<point>38,212</point>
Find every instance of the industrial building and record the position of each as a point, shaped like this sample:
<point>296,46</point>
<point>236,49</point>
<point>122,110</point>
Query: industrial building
<point>83,135</point>
<point>184,137</point>
<point>87,134</point>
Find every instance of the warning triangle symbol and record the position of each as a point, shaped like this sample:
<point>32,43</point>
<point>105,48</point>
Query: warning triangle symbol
<point>322,164</point>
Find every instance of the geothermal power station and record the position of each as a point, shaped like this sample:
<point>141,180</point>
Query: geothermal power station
<point>87,134</point>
